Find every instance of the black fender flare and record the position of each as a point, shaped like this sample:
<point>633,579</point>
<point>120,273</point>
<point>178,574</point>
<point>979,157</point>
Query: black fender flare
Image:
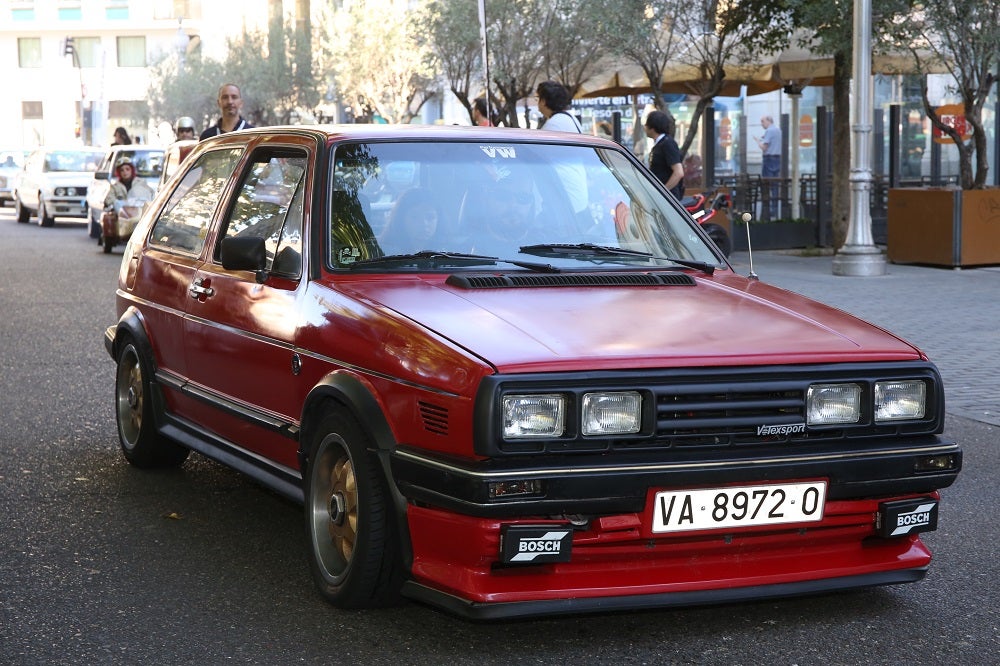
<point>132,325</point>
<point>359,398</point>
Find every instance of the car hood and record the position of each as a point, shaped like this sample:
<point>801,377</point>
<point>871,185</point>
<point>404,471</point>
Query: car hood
<point>68,178</point>
<point>720,320</point>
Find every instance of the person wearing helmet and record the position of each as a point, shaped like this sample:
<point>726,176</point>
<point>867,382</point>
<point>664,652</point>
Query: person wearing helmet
<point>184,129</point>
<point>127,191</point>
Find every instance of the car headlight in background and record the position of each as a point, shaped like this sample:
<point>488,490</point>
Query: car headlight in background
<point>900,400</point>
<point>827,404</point>
<point>526,416</point>
<point>611,413</point>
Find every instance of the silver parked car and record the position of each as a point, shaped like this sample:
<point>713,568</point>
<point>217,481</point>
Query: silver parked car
<point>11,163</point>
<point>54,183</point>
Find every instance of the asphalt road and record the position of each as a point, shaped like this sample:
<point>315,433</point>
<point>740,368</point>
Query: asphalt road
<point>104,564</point>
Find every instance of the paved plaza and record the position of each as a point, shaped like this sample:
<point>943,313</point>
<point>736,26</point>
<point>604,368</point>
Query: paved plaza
<point>953,315</point>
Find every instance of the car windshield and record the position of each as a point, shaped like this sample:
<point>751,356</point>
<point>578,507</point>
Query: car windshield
<point>430,205</point>
<point>12,159</point>
<point>66,160</point>
<point>147,163</point>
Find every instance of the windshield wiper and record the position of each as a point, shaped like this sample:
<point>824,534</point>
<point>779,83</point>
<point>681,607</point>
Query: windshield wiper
<point>702,266</point>
<point>593,249</point>
<point>443,258</point>
<point>582,249</point>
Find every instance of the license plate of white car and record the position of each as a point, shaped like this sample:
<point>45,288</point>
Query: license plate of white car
<point>738,506</point>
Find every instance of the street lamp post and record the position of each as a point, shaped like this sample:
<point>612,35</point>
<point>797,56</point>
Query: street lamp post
<point>859,256</point>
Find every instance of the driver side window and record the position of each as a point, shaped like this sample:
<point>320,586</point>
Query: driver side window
<point>269,205</point>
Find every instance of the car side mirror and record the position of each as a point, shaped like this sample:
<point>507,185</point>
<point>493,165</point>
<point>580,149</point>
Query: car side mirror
<point>102,175</point>
<point>244,253</point>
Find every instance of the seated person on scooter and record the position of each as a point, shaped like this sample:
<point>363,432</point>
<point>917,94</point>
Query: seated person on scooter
<point>127,194</point>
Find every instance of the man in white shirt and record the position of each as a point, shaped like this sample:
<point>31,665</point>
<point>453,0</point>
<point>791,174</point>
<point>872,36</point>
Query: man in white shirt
<point>553,102</point>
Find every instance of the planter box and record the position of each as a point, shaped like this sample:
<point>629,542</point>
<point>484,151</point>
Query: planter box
<point>944,227</point>
<point>774,235</point>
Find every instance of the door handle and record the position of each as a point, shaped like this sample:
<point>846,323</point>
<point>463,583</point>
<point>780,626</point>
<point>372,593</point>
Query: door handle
<point>199,289</point>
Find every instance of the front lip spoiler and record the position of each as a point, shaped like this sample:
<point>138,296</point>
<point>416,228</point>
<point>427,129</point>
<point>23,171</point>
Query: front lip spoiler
<point>549,607</point>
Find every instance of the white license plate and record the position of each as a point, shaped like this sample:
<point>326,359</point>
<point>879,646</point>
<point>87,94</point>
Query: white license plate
<point>738,506</point>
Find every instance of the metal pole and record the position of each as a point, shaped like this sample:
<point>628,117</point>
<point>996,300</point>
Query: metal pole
<point>859,256</point>
<point>793,147</point>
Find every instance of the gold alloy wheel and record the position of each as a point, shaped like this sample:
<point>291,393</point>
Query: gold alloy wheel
<point>130,397</point>
<point>334,508</point>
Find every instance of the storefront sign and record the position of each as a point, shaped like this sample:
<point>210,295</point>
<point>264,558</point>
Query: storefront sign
<point>952,115</point>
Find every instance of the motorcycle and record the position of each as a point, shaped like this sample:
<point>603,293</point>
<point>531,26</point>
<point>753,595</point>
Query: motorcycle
<point>706,207</point>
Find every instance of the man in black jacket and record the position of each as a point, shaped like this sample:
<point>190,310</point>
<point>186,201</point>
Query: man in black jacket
<point>665,157</point>
<point>230,104</point>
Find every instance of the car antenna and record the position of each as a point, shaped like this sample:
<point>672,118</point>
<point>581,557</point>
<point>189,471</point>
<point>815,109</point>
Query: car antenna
<point>746,217</point>
<point>486,58</point>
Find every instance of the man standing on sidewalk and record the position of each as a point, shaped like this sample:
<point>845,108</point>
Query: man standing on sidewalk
<point>770,147</point>
<point>230,104</point>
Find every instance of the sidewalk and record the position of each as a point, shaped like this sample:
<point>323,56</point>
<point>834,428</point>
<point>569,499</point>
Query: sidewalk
<point>952,315</point>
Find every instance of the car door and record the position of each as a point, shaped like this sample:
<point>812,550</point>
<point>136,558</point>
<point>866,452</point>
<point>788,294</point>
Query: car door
<point>240,333</point>
<point>159,276</point>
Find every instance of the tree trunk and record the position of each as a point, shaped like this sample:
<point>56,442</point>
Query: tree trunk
<point>840,194</point>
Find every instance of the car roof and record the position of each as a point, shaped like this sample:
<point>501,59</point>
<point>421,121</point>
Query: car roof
<point>380,132</point>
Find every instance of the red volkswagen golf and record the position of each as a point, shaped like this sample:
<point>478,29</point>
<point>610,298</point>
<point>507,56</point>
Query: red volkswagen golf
<point>507,375</point>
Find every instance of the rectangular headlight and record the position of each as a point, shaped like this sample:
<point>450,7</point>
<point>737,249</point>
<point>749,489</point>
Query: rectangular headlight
<point>612,413</point>
<point>526,416</point>
<point>900,400</point>
<point>833,403</point>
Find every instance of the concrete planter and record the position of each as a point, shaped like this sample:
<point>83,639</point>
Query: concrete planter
<point>774,235</point>
<point>944,227</point>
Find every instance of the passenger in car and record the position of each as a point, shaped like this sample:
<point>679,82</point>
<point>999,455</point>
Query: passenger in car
<point>414,224</point>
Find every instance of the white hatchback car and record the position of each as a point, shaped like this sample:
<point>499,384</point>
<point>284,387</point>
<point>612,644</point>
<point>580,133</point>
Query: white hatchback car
<point>148,163</point>
<point>54,182</point>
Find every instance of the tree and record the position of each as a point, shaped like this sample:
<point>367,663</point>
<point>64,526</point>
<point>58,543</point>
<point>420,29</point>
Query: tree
<point>961,36</point>
<point>454,46</point>
<point>379,61</point>
<point>830,24</point>
<point>188,89</point>
<point>515,38</point>
<point>571,48</point>
<point>703,37</point>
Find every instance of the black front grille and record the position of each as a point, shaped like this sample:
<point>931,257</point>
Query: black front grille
<point>720,408</point>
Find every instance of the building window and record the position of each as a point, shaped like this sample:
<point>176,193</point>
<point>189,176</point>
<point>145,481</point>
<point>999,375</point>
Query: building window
<point>69,10</point>
<point>88,50</point>
<point>31,110</point>
<point>116,10</point>
<point>29,51</point>
<point>22,10</point>
<point>131,51</point>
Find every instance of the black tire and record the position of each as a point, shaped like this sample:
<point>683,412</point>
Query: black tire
<point>20,212</point>
<point>353,554</point>
<point>44,219</point>
<point>141,444</point>
<point>719,237</point>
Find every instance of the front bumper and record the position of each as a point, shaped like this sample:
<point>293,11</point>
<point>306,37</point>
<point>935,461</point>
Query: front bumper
<point>66,206</point>
<point>613,484</point>
<point>616,566</point>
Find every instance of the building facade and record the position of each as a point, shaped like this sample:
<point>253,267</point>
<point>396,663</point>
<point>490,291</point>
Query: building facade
<point>81,67</point>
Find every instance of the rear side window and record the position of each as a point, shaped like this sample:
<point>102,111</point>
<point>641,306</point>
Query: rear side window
<point>185,219</point>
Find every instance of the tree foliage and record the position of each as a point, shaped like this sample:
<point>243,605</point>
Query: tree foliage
<point>273,78</point>
<point>961,36</point>
<point>378,58</point>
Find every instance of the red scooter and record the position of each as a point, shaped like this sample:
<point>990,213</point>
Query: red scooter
<point>704,207</point>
